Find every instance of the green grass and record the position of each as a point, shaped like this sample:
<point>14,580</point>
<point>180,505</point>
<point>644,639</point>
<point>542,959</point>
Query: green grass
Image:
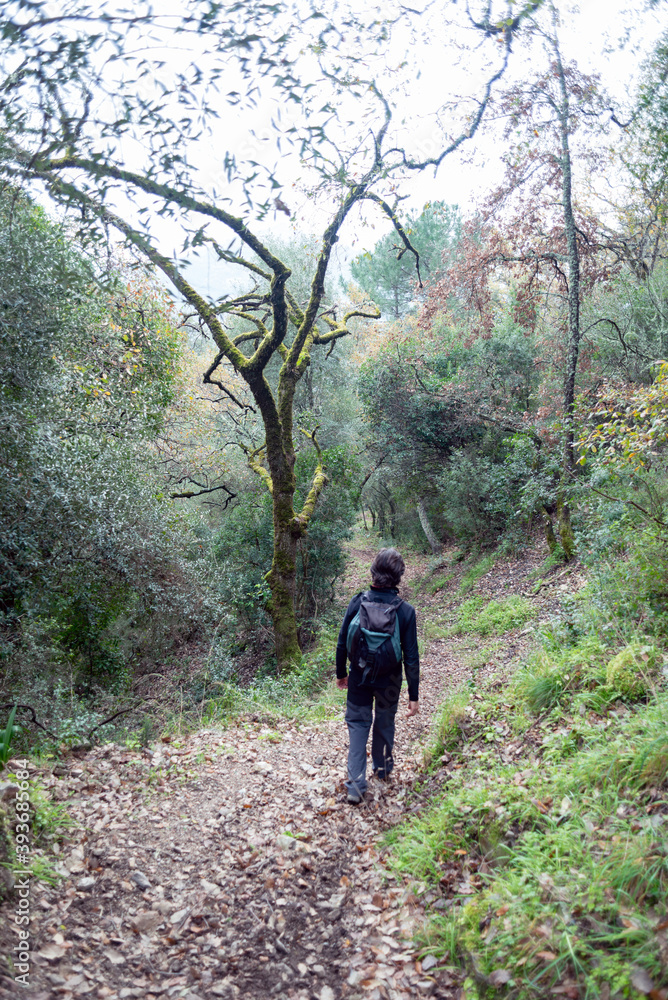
<point>435,629</point>
<point>475,571</point>
<point>305,694</point>
<point>48,821</point>
<point>476,617</point>
<point>438,583</point>
<point>445,733</point>
<point>477,656</point>
<point>433,580</point>
<point>554,861</point>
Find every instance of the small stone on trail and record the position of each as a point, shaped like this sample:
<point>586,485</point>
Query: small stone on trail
<point>327,993</point>
<point>428,963</point>
<point>319,761</point>
<point>140,880</point>
<point>85,884</point>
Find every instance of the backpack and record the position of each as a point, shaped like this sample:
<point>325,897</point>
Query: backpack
<point>373,641</point>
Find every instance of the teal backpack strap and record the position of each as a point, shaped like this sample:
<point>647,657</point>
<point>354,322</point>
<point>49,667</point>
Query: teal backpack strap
<point>352,638</point>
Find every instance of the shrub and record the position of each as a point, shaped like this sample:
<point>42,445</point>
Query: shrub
<point>93,557</point>
<point>631,671</point>
<point>486,498</point>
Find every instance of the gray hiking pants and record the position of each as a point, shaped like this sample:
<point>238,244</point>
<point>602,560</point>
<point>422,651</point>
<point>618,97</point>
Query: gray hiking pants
<point>359,719</point>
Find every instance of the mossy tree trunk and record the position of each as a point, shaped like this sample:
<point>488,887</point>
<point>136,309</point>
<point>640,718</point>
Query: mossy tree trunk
<point>563,110</point>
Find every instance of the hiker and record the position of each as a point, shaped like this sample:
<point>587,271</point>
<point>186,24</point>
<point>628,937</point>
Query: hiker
<point>377,633</point>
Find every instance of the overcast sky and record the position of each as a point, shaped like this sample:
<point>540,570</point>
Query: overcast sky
<point>431,63</point>
<point>607,37</point>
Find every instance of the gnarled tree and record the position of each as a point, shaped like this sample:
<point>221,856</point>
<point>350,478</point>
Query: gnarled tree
<point>112,139</point>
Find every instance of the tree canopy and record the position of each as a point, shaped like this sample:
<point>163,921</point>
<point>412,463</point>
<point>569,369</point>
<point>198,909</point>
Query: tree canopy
<point>66,132</point>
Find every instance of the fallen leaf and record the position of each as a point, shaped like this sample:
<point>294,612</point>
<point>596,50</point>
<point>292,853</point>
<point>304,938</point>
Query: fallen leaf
<point>147,921</point>
<point>499,976</point>
<point>52,952</point>
<point>547,956</point>
<point>540,806</point>
<point>641,980</point>
<point>114,956</point>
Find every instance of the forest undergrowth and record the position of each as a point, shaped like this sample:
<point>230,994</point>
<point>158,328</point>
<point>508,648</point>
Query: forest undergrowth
<point>543,850</point>
<point>518,852</point>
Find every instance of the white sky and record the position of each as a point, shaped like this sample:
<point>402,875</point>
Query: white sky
<point>609,37</point>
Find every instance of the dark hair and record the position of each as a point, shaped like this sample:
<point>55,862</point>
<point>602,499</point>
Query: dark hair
<point>387,569</point>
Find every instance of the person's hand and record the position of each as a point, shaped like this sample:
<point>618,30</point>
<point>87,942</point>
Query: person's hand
<point>413,709</point>
<point>342,682</point>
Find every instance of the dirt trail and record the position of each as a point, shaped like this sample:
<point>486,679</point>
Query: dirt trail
<point>231,866</point>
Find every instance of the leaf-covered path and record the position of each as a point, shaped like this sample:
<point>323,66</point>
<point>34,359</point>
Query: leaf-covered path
<point>229,865</point>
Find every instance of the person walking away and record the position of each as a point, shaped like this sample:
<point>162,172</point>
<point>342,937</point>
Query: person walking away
<point>378,634</point>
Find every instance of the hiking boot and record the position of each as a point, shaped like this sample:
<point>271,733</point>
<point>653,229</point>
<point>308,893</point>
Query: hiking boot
<point>354,798</point>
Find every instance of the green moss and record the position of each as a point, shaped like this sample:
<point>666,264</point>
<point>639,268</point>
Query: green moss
<point>632,671</point>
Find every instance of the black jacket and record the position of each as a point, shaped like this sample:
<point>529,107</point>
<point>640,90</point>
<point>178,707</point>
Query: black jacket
<point>407,634</point>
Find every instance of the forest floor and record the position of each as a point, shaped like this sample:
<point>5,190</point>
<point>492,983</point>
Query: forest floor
<point>226,863</point>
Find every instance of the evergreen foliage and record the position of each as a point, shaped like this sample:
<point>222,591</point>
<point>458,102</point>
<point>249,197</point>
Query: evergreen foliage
<point>388,274</point>
<point>87,539</point>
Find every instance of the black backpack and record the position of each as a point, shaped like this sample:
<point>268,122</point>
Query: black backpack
<point>373,641</point>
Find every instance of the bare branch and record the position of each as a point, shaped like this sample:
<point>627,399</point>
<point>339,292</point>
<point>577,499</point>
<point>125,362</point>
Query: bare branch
<point>202,491</point>
<point>207,380</point>
<point>33,720</point>
<point>391,214</point>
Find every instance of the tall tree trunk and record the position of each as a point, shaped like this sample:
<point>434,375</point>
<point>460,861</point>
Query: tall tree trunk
<point>289,528</point>
<point>435,545</point>
<point>573,255</point>
<point>282,582</point>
